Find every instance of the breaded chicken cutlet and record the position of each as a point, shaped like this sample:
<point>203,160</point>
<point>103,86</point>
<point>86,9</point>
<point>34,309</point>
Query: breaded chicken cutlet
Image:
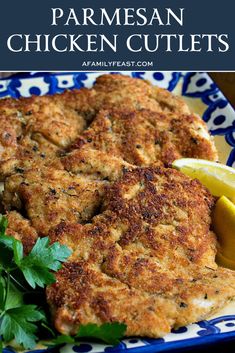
<point>48,196</point>
<point>116,90</point>
<point>145,137</point>
<point>153,267</point>
<point>21,229</point>
<point>33,131</point>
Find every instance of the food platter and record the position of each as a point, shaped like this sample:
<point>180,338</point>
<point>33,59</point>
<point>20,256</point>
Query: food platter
<point>204,98</point>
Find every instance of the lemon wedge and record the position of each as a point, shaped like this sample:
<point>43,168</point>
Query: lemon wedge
<point>224,226</point>
<point>218,178</point>
<point>224,261</point>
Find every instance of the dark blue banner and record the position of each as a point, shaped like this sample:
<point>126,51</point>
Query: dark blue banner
<point>93,35</point>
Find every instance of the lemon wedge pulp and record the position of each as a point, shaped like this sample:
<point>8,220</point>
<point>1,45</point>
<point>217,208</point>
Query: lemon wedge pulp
<point>218,178</point>
<point>224,227</point>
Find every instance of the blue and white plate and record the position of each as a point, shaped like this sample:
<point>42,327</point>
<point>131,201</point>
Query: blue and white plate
<point>204,98</point>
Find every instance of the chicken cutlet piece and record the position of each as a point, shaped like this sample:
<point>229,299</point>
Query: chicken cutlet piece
<point>95,163</point>
<point>148,260</point>
<point>145,137</point>
<point>59,119</point>
<point>71,111</point>
<point>83,294</point>
<point>34,131</point>
<point>152,211</point>
<point>51,115</point>
<point>136,94</point>
<point>21,229</point>
<point>70,189</point>
<point>115,90</point>
<point>10,130</point>
<point>29,153</point>
<point>48,196</point>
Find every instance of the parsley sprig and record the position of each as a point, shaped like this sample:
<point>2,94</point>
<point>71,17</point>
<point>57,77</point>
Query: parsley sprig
<point>18,275</point>
<point>20,318</point>
<point>110,333</point>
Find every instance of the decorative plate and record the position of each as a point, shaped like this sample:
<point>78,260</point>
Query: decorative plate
<point>204,98</point>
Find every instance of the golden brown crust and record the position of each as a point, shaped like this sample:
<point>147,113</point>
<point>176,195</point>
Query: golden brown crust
<point>60,118</point>
<point>154,210</point>
<point>50,196</point>
<point>35,130</point>
<point>83,294</point>
<point>145,137</point>
<point>95,163</point>
<point>21,229</point>
<point>135,94</point>
<point>154,261</point>
<point>173,208</point>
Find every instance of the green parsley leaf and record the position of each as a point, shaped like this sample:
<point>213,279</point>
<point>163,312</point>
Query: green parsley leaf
<point>62,339</point>
<point>37,266</point>
<point>2,292</point>
<point>3,224</point>
<point>7,241</point>
<point>7,245</point>
<point>17,323</point>
<point>60,253</point>
<point>18,252</point>
<point>14,297</point>
<point>110,333</point>
<point>19,320</point>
